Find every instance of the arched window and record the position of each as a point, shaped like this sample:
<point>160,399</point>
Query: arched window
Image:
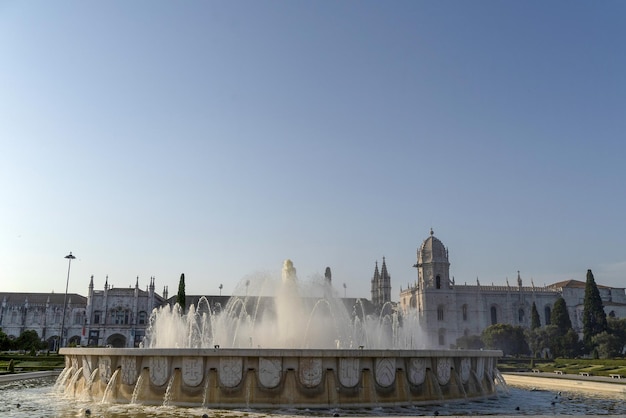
<point>96,317</point>
<point>464,310</point>
<point>548,313</point>
<point>121,316</point>
<point>520,315</point>
<point>494,315</point>
<point>413,302</point>
<point>142,317</point>
<point>442,336</point>
<point>438,282</point>
<point>440,312</point>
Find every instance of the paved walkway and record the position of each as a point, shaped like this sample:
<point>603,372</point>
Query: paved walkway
<point>29,375</point>
<point>549,380</point>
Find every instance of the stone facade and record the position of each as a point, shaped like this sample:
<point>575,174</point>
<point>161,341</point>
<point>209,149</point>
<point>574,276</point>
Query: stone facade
<point>448,311</point>
<point>118,317</point>
<point>43,313</point>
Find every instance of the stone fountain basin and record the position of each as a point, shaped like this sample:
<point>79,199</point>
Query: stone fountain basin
<point>268,378</point>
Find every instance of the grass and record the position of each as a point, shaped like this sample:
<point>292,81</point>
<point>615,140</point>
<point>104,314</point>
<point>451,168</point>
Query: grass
<point>27,363</point>
<point>595,367</point>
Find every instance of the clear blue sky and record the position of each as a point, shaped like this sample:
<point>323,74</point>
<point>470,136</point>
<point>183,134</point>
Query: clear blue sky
<point>220,138</point>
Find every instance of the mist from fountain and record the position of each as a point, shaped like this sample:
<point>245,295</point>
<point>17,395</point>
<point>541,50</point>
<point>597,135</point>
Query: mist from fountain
<point>284,313</point>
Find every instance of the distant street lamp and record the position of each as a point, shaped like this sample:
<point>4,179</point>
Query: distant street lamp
<point>344,290</point>
<point>221,286</point>
<point>69,257</point>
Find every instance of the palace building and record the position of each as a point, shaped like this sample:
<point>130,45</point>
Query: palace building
<point>448,311</point>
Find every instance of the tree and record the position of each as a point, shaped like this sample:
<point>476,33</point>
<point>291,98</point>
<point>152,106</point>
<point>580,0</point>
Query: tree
<point>535,322</point>
<point>5,342</point>
<point>608,345</point>
<point>563,341</point>
<point>508,338</point>
<point>28,340</point>
<point>470,342</point>
<point>560,317</point>
<point>594,317</point>
<point>617,327</point>
<point>180,298</point>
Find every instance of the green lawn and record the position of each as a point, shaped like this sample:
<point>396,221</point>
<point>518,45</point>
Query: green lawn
<point>595,367</point>
<point>29,363</point>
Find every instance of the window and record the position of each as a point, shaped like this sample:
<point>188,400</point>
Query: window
<point>121,317</point>
<point>548,313</point>
<point>438,282</point>
<point>494,315</point>
<point>142,317</point>
<point>520,316</point>
<point>96,317</point>
<point>464,310</point>
<point>440,313</point>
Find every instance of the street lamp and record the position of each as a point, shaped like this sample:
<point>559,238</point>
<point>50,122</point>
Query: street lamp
<point>69,257</point>
<point>221,286</point>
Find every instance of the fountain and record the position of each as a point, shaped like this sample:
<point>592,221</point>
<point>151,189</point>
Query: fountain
<point>285,344</point>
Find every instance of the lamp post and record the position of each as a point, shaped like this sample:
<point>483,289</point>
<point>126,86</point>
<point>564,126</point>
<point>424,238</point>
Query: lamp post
<point>69,257</point>
<point>221,286</point>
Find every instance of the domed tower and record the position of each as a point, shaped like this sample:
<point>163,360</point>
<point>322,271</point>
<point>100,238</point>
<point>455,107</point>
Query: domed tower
<point>436,298</point>
<point>433,267</point>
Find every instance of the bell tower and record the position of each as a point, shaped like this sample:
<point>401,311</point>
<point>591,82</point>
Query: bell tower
<point>435,296</point>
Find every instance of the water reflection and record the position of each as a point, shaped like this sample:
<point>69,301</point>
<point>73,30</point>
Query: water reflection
<point>35,398</point>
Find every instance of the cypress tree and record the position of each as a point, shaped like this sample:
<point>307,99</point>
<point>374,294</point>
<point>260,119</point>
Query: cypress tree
<point>594,317</point>
<point>560,317</point>
<point>180,297</point>
<point>535,322</point>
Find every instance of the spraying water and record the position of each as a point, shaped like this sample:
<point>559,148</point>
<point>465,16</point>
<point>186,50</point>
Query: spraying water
<point>283,313</point>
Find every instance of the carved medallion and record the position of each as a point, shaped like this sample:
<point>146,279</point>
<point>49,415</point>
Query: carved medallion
<point>385,371</point>
<point>129,370</point>
<point>310,372</point>
<point>230,372</point>
<point>87,367</point>
<point>349,372</point>
<point>193,368</point>
<point>159,370</point>
<point>104,365</point>
<point>480,368</point>
<point>270,371</point>
<point>466,367</point>
<point>444,364</point>
<point>417,371</point>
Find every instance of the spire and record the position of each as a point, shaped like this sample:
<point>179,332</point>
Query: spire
<point>91,282</point>
<point>137,283</point>
<point>384,274</point>
<point>106,282</point>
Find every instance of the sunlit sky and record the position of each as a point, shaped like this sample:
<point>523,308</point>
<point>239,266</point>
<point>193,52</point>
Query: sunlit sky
<point>216,139</point>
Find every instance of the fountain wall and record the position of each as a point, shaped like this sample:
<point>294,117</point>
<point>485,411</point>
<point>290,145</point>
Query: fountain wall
<point>301,378</point>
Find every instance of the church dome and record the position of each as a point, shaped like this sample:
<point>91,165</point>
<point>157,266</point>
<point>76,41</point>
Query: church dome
<point>432,251</point>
